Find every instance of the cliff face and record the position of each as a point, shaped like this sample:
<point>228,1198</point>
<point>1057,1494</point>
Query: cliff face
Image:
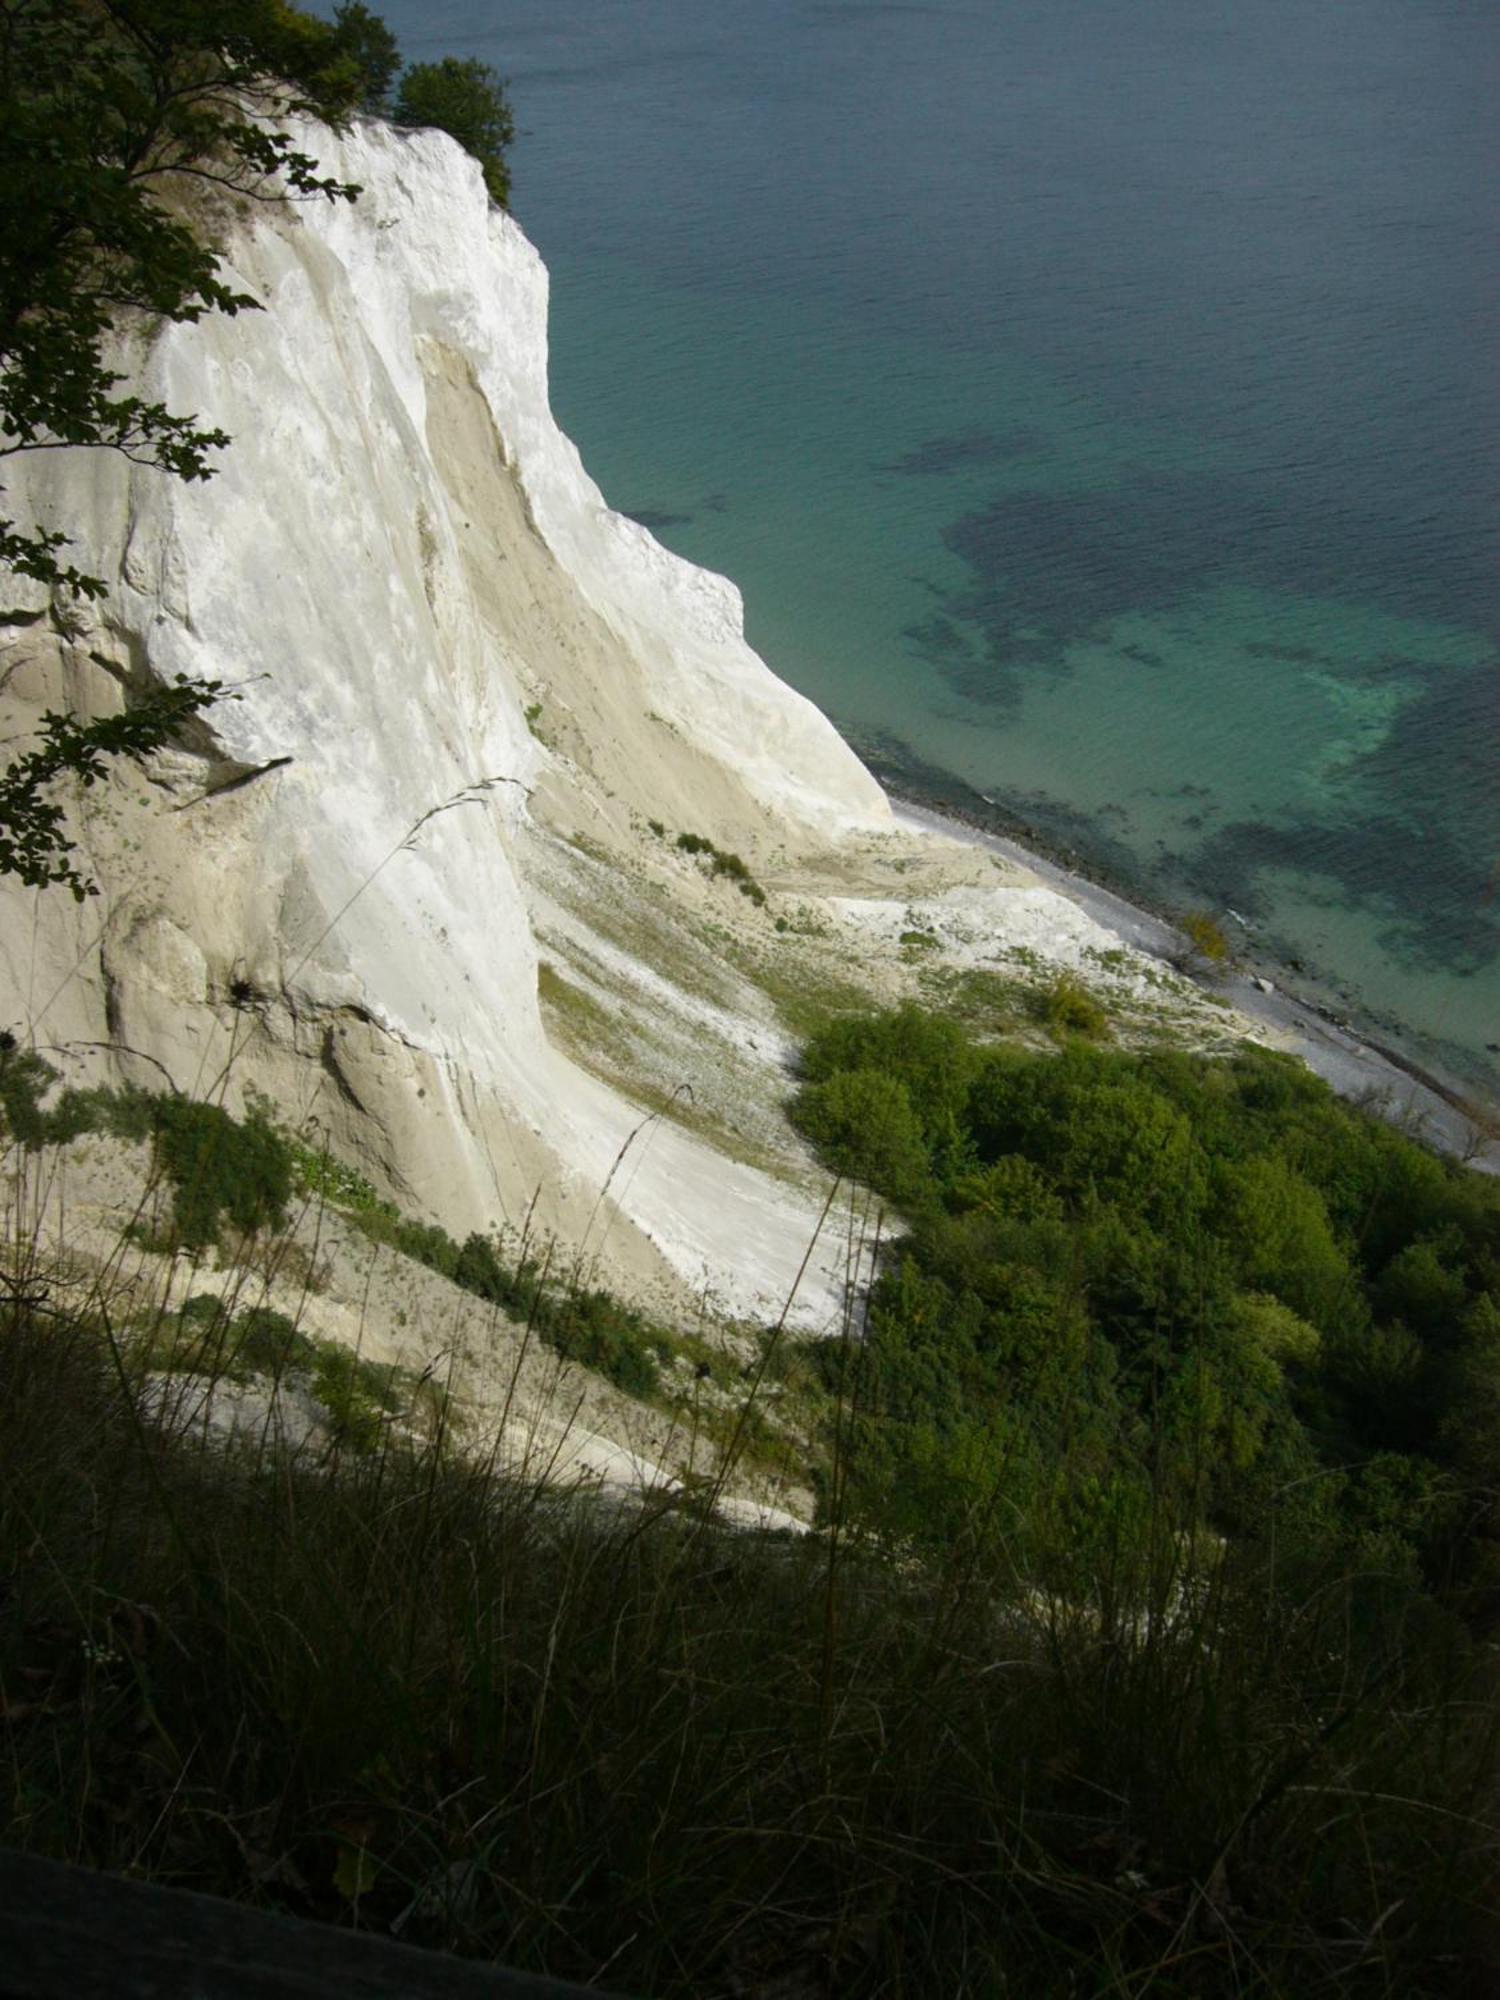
<point>324,892</point>
<point>417,881</point>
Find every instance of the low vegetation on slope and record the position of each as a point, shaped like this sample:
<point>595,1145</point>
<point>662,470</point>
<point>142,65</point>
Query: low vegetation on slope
<point>1142,1646</point>
<point>1137,1283</point>
<point>228,1179</point>
<point>391,1687</point>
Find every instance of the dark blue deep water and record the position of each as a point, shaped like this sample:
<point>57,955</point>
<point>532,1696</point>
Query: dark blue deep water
<point>1096,402</point>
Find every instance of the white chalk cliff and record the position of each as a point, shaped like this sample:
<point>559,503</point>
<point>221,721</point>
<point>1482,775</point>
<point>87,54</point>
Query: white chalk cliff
<point>335,890</point>
<point>399,554</point>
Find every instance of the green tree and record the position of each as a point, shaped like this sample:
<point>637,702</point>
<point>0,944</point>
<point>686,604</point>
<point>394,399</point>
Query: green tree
<point>928,1056</point>
<point>1283,1242</point>
<point>466,99</point>
<point>863,1124</point>
<point>364,43</point>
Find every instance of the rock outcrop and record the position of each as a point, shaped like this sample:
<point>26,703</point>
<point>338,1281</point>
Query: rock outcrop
<point>443,646</point>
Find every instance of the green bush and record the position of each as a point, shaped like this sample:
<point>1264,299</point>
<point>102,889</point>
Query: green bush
<point>1277,1225</point>
<point>1424,1287</point>
<point>318,1173</point>
<point>1010,1187</point>
<point>586,1326</point>
<point>863,1124</point>
<point>1067,1007</point>
<point>263,1342</point>
<point>1092,1122</point>
<point>594,1330</point>
<point>930,1057</point>
<point>418,1699</point>
<point>26,1079</point>
<point>358,1395</point>
<point>208,1337</point>
<point>221,1168</point>
<point>731,866</point>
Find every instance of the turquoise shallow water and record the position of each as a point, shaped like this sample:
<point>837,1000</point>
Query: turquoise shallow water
<point>1097,406</point>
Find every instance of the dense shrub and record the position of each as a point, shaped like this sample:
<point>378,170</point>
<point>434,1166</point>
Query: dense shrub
<point>218,1167</point>
<point>358,1395</point>
<point>590,1327</point>
<point>221,1168</point>
<point>393,1689</point>
<point>1206,1281</point>
<point>863,1123</point>
<point>1181,1399</point>
<point>581,1323</point>
<point>32,1116</point>
<point>1067,1007</point>
<point>930,1057</point>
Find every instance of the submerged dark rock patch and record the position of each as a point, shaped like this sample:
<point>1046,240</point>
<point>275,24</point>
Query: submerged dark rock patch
<point>655,518</point>
<point>1385,865</point>
<point>940,456</point>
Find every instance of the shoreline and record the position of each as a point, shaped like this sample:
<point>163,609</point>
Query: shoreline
<point>1355,1064</point>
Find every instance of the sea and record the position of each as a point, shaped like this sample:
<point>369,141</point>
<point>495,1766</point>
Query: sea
<point>1097,403</point>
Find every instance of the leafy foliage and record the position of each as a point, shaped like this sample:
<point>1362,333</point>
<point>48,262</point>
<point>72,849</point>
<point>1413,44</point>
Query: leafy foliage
<point>319,1173</point>
<point>364,45</point>
<point>863,1123</point>
<point>34,844</point>
<point>466,99</point>
<point>425,1699</point>
<point>1067,1007</point>
<point>1189,1459</point>
<point>207,1336</point>
<point>221,1168</point>
<point>31,1116</point>
<point>581,1322</point>
<point>1136,1281</point>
